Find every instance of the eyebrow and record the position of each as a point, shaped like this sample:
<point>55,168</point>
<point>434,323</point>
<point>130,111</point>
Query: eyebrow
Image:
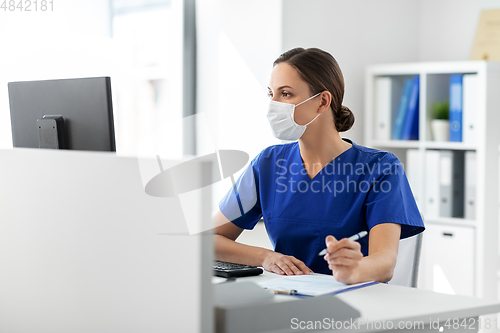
<point>280,88</point>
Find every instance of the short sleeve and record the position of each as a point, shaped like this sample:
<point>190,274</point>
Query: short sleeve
<point>391,200</point>
<point>241,204</point>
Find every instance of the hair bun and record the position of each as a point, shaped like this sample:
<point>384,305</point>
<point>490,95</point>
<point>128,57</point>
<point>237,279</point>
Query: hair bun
<point>345,119</point>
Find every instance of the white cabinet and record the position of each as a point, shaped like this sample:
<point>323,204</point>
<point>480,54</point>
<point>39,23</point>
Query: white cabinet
<point>459,255</point>
<point>449,259</point>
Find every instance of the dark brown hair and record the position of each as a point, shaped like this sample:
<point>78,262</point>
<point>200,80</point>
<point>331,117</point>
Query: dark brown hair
<point>322,72</point>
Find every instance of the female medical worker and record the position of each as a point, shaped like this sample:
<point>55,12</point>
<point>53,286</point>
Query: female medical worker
<point>318,191</point>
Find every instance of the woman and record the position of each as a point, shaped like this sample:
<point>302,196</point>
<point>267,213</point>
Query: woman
<point>317,192</point>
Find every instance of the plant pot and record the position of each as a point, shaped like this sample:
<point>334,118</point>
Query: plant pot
<point>440,129</point>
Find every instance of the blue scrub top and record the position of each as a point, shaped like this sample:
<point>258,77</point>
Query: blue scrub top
<point>359,189</point>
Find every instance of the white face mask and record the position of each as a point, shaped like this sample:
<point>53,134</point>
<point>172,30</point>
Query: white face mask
<point>280,116</point>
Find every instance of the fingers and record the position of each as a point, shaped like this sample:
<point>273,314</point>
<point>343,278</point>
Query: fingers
<point>301,266</point>
<point>343,253</point>
<point>293,266</point>
<point>344,261</point>
<point>343,243</point>
<point>276,269</point>
<point>330,240</point>
<point>344,257</point>
<point>288,265</point>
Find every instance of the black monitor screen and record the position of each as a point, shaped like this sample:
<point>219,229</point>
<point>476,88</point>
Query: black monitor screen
<point>84,106</point>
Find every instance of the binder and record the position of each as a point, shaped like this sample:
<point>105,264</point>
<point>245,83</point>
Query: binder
<point>402,109</point>
<point>413,172</point>
<point>445,180</point>
<point>451,183</point>
<point>383,91</point>
<point>470,185</point>
<point>432,184</point>
<point>456,107</point>
<point>458,182</point>
<point>410,126</point>
<point>470,98</point>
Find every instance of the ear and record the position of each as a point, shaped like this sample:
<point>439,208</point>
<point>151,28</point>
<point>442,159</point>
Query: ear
<point>326,100</point>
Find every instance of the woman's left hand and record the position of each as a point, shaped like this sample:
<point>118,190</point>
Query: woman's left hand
<point>343,257</point>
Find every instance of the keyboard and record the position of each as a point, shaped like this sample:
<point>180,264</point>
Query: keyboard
<point>231,270</point>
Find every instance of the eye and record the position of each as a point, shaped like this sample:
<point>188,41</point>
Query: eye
<point>270,94</point>
<point>285,94</point>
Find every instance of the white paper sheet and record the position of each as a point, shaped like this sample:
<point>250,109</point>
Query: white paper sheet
<point>310,285</point>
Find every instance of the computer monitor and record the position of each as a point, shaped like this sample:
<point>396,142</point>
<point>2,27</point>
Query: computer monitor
<point>65,114</point>
<point>84,248</point>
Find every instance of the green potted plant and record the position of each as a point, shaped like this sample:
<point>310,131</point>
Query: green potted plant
<point>440,122</point>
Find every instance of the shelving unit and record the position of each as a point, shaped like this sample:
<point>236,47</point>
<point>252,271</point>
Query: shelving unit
<point>458,255</point>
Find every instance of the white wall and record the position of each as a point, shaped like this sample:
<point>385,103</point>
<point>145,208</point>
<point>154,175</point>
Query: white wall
<point>237,43</point>
<point>364,32</point>
<point>447,28</point>
<point>89,17</point>
<point>52,44</point>
<point>357,33</point>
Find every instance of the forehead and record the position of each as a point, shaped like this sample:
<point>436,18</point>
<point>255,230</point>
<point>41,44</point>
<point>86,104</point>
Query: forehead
<point>284,74</point>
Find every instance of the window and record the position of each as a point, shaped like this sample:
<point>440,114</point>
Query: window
<point>149,93</point>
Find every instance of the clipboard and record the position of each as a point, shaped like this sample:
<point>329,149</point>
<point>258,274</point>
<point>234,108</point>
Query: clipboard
<point>311,285</point>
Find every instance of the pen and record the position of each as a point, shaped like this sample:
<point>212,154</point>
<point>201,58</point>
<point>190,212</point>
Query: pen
<point>286,292</point>
<point>357,236</point>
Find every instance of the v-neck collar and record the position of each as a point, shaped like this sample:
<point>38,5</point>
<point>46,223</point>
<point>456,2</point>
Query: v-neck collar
<point>303,170</point>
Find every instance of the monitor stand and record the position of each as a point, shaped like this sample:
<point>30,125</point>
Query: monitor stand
<point>51,132</point>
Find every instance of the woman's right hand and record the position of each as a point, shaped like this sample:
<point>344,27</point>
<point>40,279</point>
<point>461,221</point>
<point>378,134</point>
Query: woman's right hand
<point>284,265</point>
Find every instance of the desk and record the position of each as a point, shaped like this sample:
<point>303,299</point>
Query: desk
<point>387,307</point>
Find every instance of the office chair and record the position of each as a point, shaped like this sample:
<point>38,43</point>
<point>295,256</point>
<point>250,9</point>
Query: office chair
<point>406,270</point>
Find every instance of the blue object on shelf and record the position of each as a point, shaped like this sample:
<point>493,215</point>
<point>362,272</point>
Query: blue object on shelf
<point>403,107</point>
<point>410,124</point>
<point>456,107</point>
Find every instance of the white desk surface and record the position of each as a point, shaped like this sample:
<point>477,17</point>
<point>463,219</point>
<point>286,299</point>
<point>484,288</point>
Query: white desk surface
<point>391,303</point>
